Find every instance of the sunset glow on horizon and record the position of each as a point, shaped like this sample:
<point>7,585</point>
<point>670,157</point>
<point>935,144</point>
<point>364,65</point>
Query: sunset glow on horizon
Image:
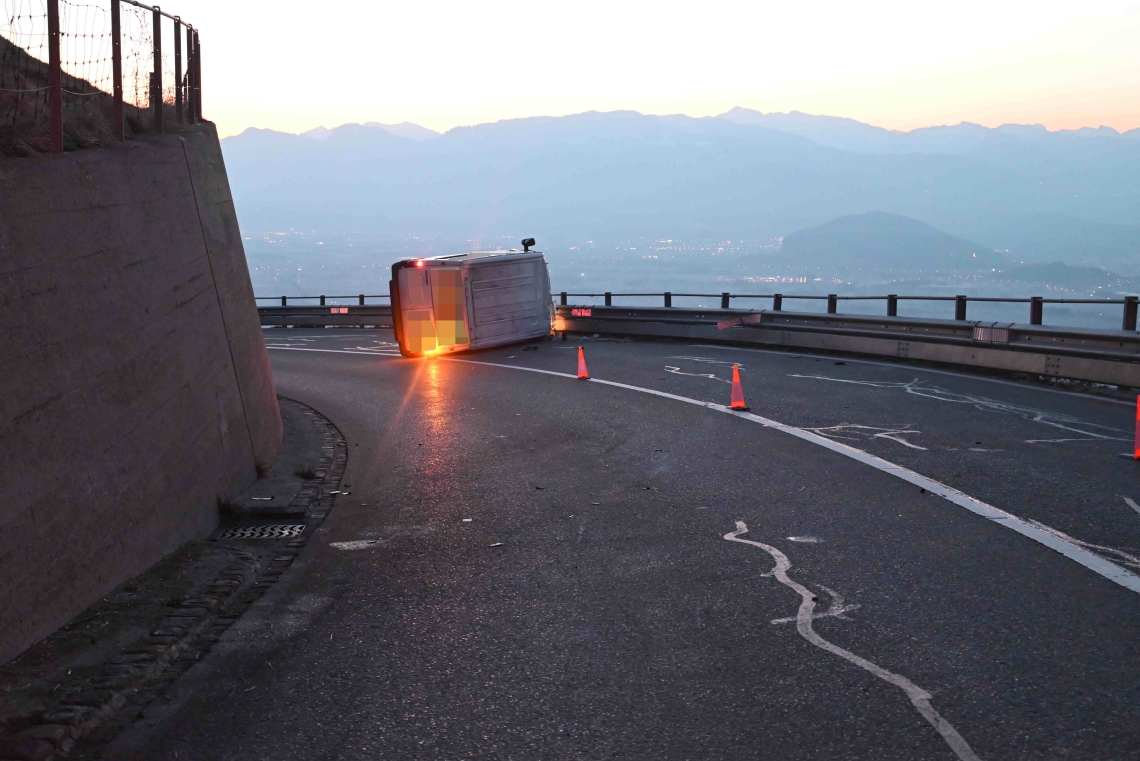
<point>897,65</point>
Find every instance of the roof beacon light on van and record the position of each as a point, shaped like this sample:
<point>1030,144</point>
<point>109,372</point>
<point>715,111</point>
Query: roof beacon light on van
<point>419,262</point>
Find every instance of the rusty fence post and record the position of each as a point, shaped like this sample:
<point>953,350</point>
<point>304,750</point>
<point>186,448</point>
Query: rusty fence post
<point>178,69</point>
<point>197,77</point>
<point>156,74</point>
<point>116,73</point>
<point>55,80</point>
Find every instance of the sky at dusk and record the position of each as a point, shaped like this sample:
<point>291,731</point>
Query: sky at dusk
<point>292,66</point>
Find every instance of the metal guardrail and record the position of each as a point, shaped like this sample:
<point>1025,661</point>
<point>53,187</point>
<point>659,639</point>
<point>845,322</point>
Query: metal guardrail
<point>1105,356</point>
<point>369,315</point>
<point>961,302</point>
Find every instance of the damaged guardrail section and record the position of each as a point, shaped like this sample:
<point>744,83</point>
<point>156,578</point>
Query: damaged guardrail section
<point>1099,356</point>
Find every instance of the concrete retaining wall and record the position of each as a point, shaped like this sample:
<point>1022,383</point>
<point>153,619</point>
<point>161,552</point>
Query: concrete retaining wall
<point>134,383</point>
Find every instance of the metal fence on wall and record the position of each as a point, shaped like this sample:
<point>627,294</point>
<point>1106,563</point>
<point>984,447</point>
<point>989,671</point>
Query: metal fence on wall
<point>83,73</point>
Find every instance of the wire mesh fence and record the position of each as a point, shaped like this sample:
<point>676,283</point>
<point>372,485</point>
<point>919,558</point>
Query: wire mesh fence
<point>76,74</point>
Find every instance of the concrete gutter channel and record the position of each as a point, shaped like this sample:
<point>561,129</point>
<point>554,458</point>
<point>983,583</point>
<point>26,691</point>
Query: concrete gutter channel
<point>1097,356</point>
<point>79,687</point>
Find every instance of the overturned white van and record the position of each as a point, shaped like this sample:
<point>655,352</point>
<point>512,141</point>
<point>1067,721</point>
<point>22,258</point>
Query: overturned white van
<point>470,301</point>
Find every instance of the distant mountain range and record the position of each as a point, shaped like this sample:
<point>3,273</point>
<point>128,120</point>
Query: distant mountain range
<point>1027,193</point>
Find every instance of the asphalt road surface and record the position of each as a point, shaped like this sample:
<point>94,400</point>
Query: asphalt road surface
<point>582,570</point>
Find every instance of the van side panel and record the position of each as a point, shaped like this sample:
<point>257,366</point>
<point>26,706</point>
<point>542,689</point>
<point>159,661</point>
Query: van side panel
<point>508,301</point>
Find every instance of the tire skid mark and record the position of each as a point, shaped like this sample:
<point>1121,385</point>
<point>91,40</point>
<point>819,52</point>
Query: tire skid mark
<point>919,697</point>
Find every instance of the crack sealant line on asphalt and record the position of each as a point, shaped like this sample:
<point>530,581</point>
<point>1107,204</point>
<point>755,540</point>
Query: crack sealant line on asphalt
<point>1088,559</point>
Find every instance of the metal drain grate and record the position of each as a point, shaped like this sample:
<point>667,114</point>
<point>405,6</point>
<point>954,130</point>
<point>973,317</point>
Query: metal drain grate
<point>263,532</point>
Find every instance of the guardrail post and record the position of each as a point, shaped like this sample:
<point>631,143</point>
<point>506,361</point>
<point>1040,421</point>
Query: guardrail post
<point>362,299</point>
<point>55,80</point>
<point>1036,307</point>
<point>563,298</point>
<point>116,73</point>
<point>1130,303</point>
<point>284,301</point>
<point>778,302</point>
<point>959,307</point>
<point>322,300</point>
<point>668,298</point>
<point>832,303</point>
<point>892,305</point>
<point>609,299</point>
<point>724,297</point>
<point>156,74</point>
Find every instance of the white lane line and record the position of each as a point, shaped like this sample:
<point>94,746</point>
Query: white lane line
<point>1050,539</point>
<point>919,697</point>
<point>1131,504</point>
<point>332,351</point>
<point>916,369</point>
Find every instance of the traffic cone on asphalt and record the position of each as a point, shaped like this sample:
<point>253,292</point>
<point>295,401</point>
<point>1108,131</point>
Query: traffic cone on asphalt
<point>737,391</point>
<point>1136,446</point>
<point>582,373</point>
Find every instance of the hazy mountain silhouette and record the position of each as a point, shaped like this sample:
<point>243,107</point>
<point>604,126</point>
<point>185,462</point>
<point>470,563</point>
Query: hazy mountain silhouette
<point>881,241</point>
<point>744,175</point>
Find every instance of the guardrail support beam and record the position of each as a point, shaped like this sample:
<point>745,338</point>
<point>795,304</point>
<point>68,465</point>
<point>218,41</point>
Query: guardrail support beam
<point>959,307</point>
<point>609,299</point>
<point>668,298</point>
<point>778,302</point>
<point>1036,307</point>
<point>322,300</point>
<point>1130,303</point>
<point>284,301</point>
<point>832,303</point>
<point>892,306</point>
<point>724,298</point>
<point>563,298</point>
<point>362,299</point>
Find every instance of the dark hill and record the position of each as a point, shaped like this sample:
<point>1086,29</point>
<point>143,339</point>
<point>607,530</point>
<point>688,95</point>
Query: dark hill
<point>881,241</point>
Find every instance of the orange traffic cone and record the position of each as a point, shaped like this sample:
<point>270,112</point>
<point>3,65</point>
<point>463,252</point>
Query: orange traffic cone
<point>1136,447</point>
<point>582,373</point>
<point>737,391</point>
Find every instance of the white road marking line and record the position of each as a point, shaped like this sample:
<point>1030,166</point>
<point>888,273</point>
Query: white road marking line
<point>915,387</point>
<point>919,697</point>
<point>837,608</point>
<point>677,371</point>
<point>1028,529</point>
<point>333,351</point>
<point>911,368</point>
<point>1131,504</point>
<point>835,431</point>
<point>1059,441</point>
